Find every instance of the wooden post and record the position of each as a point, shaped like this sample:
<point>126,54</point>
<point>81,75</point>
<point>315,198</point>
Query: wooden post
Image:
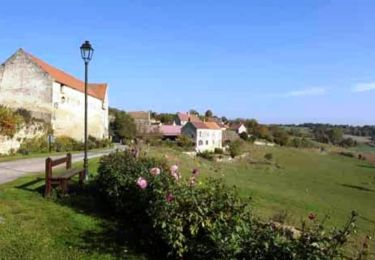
<point>69,161</point>
<point>48,185</point>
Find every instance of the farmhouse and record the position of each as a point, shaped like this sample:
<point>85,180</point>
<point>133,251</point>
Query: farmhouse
<point>183,118</point>
<point>142,121</point>
<point>239,128</point>
<point>206,135</point>
<point>53,95</point>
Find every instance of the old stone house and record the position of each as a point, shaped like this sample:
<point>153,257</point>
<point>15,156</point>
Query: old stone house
<point>53,95</point>
<point>142,120</point>
<point>206,135</point>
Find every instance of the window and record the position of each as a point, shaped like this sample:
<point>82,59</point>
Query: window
<point>62,88</point>
<point>207,142</point>
<point>200,133</point>
<point>200,143</point>
<point>63,100</point>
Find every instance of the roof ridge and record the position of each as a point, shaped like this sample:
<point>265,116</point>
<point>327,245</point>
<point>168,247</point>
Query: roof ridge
<point>97,90</point>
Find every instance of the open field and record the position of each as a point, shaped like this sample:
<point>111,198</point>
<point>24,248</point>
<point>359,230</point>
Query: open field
<point>298,181</point>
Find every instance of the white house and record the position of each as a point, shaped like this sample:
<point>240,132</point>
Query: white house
<point>206,135</point>
<point>52,95</point>
<point>239,128</point>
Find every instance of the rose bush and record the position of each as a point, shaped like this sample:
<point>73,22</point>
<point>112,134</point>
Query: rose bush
<point>186,216</point>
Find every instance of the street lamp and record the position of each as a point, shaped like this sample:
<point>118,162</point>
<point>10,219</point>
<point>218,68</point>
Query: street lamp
<point>86,53</point>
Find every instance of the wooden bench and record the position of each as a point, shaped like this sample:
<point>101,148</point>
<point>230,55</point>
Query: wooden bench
<point>63,178</point>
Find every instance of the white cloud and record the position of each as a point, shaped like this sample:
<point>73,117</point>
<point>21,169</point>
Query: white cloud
<point>362,87</point>
<point>306,92</point>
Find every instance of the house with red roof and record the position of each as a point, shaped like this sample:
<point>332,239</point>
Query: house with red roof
<point>206,135</point>
<point>183,118</point>
<point>53,95</point>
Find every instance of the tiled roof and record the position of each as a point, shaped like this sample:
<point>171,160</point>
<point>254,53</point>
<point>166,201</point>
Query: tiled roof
<point>139,115</point>
<point>199,125</point>
<point>94,90</point>
<point>170,130</point>
<point>212,125</point>
<point>188,117</point>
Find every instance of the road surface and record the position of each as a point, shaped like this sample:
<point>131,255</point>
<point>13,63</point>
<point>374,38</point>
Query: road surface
<point>12,170</point>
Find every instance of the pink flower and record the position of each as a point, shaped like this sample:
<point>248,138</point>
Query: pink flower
<point>195,172</point>
<point>176,175</point>
<point>142,183</point>
<point>155,171</point>
<point>169,197</point>
<point>174,168</point>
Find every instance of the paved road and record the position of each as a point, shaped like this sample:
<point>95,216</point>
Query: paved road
<point>12,170</point>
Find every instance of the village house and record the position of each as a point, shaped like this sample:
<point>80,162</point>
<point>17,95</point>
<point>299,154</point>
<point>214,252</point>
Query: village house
<point>52,95</point>
<point>170,132</point>
<point>239,128</point>
<point>183,118</point>
<point>142,121</point>
<point>206,135</point>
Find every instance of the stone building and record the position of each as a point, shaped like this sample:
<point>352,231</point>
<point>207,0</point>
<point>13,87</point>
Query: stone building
<point>53,95</point>
<point>142,121</point>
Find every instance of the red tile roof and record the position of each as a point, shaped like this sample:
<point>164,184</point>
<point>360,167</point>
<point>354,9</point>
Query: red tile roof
<point>188,117</point>
<point>212,125</point>
<point>94,90</point>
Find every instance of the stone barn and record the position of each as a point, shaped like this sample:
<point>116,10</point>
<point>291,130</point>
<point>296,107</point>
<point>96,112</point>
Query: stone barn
<point>54,96</point>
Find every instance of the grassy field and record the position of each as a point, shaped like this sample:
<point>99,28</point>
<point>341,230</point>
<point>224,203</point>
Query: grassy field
<point>297,181</point>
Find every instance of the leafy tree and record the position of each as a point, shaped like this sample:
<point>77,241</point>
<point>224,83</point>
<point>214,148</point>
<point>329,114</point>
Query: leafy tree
<point>235,148</point>
<point>280,136</point>
<point>335,135</point>
<point>194,112</point>
<point>209,113</point>
<point>244,136</point>
<point>123,127</point>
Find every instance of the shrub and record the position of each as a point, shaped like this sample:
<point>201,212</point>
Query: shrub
<point>268,156</point>
<point>184,141</point>
<point>219,151</point>
<point>244,136</point>
<point>191,219</point>
<point>66,144</point>
<point>34,145</point>
<point>347,154</point>
<point>206,155</point>
<point>9,121</point>
<point>235,148</point>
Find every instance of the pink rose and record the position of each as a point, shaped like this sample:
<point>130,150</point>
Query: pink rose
<point>169,197</point>
<point>155,171</point>
<point>142,183</point>
<point>174,168</point>
<point>176,175</point>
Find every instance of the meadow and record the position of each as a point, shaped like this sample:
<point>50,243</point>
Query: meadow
<point>293,184</point>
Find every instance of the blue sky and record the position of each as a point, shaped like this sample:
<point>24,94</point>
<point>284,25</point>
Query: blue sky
<point>277,61</point>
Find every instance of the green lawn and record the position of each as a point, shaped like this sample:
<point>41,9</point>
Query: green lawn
<point>299,181</point>
<point>33,227</point>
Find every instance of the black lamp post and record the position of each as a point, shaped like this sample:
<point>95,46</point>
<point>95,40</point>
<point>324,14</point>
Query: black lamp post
<point>86,53</point>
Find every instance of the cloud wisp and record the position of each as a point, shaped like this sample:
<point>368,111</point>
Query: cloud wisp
<point>305,92</point>
<point>363,87</point>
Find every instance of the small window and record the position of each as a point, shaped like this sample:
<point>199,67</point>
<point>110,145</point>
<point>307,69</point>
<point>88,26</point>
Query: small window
<point>200,143</point>
<point>207,142</point>
<point>62,100</point>
<point>62,88</point>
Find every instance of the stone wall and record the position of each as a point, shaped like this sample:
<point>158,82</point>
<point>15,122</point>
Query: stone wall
<point>8,145</point>
<point>24,85</point>
<point>68,114</point>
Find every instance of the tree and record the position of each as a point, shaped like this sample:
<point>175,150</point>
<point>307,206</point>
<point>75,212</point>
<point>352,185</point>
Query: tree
<point>335,135</point>
<point>123,127</point>
<point>194,112</point>
<point>209,114</point>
